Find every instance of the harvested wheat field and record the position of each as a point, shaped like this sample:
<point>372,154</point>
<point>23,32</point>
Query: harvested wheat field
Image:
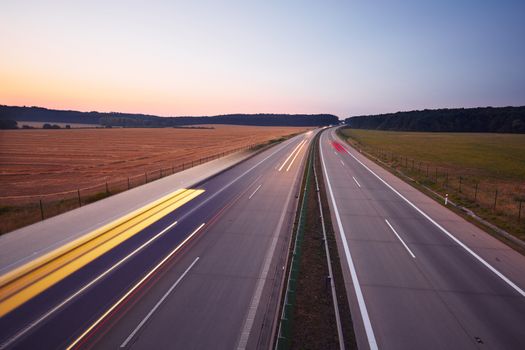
<point>42,162</point>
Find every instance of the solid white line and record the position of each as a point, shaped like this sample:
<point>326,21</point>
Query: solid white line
<point>58,307</point>
<point>291,154</point>
<point>356,182</point>
<point>256,299</point>
<point>299,151</point>
<point>81,290</point>
<point>133,288</point>
<point>399,237</point>
<point>257,189</point>
<point>219,191</point>
<point>152,311</point>
<point>461,244</point>
<point>355,281</point>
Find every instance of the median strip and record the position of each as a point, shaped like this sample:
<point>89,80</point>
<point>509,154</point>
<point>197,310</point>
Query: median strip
<point>29,280</point>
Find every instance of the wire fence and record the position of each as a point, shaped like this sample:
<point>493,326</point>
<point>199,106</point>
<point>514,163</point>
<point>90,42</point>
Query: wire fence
<point>19,211</point>
<point>499,202</point>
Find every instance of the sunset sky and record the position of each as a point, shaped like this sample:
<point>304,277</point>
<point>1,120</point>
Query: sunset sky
<point>214,57</point>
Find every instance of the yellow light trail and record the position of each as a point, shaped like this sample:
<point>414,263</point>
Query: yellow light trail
<point>33,278</point>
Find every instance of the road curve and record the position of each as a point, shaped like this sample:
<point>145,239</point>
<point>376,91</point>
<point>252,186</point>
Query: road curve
<point>417,275</point>
<point>203,276</point>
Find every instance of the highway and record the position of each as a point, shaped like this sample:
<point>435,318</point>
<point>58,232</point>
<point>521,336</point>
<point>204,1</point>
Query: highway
<point>417,275</point>
<point>203,272</point>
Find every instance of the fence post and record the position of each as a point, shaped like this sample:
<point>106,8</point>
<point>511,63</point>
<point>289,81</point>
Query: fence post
<point>79,202</point>
<point>412,165</point>
<point>476,192</point>
<point>128,182</point>
<point>41,210</point>
<point>146,175</point>
<point>436,175</point>
<point>519,211</point>
<point>495,199</point>
<point>107,189</point>
<point>427,170</point>
<point>459,190</point>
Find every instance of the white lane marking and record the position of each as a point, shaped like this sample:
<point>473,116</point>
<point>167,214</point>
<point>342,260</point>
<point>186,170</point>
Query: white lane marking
<point>399,237</point>
<point>356,182</point>
<point>291,154</point>
<point>81,290</point>
<point>342,163</point>
<point>296,154</point>
<point>257,189</point>
<point>92,227</point>
<point>357,287</point>
<point>152,311</point>
<point>59,306</point>
<point>461,244</point>
<point>254,304</point>
<point>191,211</point>
<point>152,271</point>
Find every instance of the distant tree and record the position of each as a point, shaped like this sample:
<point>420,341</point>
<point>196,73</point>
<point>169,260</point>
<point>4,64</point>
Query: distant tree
<point>489,119</point>
<point>8,124</point>
<point>68,126</point>
<point>46,126</point>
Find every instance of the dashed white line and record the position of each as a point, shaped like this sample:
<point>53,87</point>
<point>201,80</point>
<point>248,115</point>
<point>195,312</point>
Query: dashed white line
<point>85,287</point>
<point>450,235</point>
<point>372,343</point>
<point>90,328</point>
<point>342,163</point>
<point>356,182</point>
<point>152,311</point>
<point>257,189</point>
<point>399,237</point>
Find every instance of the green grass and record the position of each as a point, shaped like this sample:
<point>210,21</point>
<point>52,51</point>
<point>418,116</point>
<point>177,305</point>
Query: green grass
<point>487,156</point>
<point>476,170</point>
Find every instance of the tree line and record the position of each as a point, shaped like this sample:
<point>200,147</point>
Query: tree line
<point>39,114</point>
<point>482,119</point>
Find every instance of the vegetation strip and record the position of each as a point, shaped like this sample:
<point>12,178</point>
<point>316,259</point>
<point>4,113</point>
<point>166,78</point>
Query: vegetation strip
<point>309,312</point>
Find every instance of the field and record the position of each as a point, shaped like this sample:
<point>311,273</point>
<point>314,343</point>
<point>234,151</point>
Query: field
<point>59,165</point>
<point>483,172</point>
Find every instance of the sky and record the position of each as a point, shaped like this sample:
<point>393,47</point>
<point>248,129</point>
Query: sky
<point>195,57</point>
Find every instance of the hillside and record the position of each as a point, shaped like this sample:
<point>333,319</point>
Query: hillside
<point>39,114</point>
<point>487,119</point>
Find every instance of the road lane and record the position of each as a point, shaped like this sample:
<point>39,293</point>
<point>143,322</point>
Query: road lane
<point>445,297</point>
<point>79,313</point>
<point>211,308</point>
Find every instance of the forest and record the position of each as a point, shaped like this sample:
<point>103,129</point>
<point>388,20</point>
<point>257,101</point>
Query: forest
<point>8,114</point>
<point>483,119</point>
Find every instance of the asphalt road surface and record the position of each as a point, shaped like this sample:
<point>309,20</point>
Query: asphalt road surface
<point>417,275</point>
<point>205,276</point>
